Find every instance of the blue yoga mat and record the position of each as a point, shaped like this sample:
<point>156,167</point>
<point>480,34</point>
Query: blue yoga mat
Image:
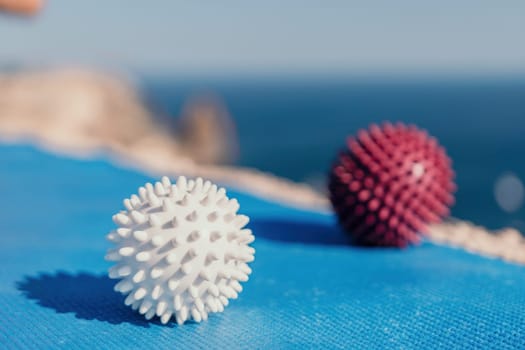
<point>309,288</point>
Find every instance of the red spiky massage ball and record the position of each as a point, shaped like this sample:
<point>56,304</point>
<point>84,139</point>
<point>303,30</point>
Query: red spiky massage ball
<point>389,183</point>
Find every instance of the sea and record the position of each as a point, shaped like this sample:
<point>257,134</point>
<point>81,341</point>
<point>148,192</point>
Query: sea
<point>294,127</point>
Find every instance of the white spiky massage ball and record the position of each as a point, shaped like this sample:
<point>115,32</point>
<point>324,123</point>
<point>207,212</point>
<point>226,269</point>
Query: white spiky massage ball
<point>181,250</point>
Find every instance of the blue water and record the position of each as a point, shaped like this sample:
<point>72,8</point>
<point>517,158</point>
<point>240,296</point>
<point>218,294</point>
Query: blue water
<point>293,127</point>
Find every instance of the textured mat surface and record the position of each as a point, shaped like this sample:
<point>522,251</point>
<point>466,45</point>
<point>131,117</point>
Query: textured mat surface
<point>308,289</point>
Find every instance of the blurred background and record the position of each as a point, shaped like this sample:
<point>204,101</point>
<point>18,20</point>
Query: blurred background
<point>278,85</point>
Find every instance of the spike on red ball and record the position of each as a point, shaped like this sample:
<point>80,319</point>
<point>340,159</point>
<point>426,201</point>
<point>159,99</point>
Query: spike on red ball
<point>389,184</point>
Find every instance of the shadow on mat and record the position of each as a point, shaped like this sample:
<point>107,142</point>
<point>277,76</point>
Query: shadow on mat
<point>299,231</point>
<point>88,296</point>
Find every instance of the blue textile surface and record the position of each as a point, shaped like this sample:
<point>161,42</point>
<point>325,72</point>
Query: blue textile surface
<point>308,288</point>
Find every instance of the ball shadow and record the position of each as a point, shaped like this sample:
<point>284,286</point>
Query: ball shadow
<point>89,297</point>
<point>303,231</point>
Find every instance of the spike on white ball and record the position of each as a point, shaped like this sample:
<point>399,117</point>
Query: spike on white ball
<point>181,250</point>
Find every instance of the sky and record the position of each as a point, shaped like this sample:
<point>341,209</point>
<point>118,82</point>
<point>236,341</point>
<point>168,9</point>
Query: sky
<point>273,35</point>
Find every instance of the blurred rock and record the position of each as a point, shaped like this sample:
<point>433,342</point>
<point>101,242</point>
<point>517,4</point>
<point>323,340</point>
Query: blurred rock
<point>207,132</point>
<point>74,110</point>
